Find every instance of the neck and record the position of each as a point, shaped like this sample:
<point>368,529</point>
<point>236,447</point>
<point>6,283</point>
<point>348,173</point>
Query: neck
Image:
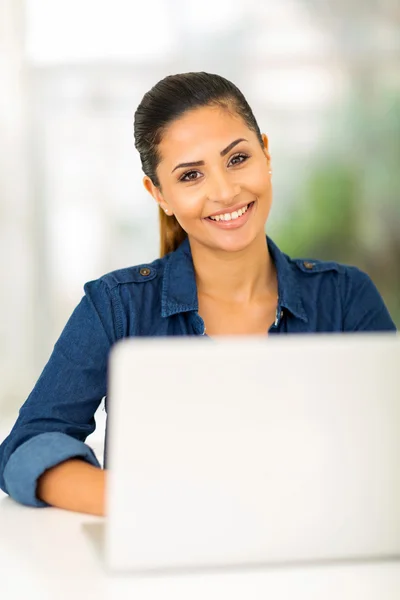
<point>241,276</point>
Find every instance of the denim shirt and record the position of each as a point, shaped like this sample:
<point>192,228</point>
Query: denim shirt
<point>158,299</point>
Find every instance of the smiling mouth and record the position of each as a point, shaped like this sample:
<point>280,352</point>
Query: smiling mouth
<point>231,216</point>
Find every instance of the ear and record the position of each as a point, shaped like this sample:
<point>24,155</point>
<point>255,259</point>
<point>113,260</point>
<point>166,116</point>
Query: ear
<point>266,149</point>
<point>156,193</point>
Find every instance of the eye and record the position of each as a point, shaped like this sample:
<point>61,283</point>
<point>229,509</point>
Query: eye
<point>188,176</point>
<point>237,159</point>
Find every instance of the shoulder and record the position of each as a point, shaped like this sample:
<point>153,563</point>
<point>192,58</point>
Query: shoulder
<point>363,308</point>
<point>349,277</point>
<point>132,275</point>
<point>123,299</point>
<point>311,266</point>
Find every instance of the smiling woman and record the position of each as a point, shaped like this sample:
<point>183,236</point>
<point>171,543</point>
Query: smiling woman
<point>229,176</point>
<point>208,167</point>
<point>203,155</point>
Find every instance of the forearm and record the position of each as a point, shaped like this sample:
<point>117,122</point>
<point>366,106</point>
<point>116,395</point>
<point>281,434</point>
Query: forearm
<point>74,485</point>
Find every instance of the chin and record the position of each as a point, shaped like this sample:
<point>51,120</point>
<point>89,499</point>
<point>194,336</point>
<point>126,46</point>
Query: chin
<point>235,241</point>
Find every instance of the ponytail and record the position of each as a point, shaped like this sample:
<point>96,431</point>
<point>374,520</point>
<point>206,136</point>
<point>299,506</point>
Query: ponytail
<point>171,233</point>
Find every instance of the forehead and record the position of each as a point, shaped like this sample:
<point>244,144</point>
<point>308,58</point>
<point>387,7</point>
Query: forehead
<point>201,129</point>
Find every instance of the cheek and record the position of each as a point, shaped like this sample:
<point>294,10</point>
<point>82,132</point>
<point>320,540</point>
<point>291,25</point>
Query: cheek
<point>262,188</point>
<point>262,182</point>
<point>186,199</point>
<point>186,203</point>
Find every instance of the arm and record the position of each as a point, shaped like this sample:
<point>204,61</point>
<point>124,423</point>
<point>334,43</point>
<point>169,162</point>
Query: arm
<point>59,413</point>
<point>74,485</point>
<point>363,306</point>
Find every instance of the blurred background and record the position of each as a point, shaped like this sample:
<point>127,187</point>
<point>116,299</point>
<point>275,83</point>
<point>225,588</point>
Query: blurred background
<point>323,79</point>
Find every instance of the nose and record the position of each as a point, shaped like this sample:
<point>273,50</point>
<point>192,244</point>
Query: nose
<point>221,188</point>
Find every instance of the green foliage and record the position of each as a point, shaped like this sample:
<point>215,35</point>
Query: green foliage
<point>324,222</point>
<point>348,209</point>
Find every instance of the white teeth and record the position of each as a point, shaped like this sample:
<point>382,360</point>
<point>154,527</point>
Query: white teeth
<point>230,216</point>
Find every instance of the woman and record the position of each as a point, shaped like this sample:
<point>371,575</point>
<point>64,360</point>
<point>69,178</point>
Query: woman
<point>209,169</point>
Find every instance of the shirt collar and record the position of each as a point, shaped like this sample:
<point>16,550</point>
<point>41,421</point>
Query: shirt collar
<point>179,290</point>
<point>289,290</point>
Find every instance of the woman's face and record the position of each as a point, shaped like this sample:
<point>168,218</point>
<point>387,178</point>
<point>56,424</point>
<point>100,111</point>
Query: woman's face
<point>214,177</point>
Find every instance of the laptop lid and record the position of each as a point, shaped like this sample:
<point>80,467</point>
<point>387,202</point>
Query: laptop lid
<point>253,450</point>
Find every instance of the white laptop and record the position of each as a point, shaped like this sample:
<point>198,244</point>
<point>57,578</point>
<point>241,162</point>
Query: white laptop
<point>251,451</point>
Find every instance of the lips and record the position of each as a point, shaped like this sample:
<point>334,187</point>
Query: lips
<point>232,220</point>
<point>230,216</point>
<point>234,209</point>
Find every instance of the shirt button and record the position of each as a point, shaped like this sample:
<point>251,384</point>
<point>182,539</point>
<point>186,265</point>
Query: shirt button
<point>308,265</point>
<point>145,271</point>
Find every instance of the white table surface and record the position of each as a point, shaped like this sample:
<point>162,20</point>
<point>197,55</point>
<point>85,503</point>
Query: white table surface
<point>44,554</point>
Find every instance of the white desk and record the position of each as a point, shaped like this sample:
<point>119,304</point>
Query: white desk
<point>44,555</point>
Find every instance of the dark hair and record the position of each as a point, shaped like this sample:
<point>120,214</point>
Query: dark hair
<point>168,100</point>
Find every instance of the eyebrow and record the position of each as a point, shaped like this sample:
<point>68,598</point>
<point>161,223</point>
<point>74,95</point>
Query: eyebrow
<point>200,163</point>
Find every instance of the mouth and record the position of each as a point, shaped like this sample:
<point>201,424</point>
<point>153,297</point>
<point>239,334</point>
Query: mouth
<point>232,220</point>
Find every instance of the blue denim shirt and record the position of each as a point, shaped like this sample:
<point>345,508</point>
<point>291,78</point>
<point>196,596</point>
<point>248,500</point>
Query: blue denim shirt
<point>158,299</point>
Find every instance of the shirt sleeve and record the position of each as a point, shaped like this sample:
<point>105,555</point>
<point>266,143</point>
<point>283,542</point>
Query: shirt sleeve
<point>363,306</point>
<point>58,415</point>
